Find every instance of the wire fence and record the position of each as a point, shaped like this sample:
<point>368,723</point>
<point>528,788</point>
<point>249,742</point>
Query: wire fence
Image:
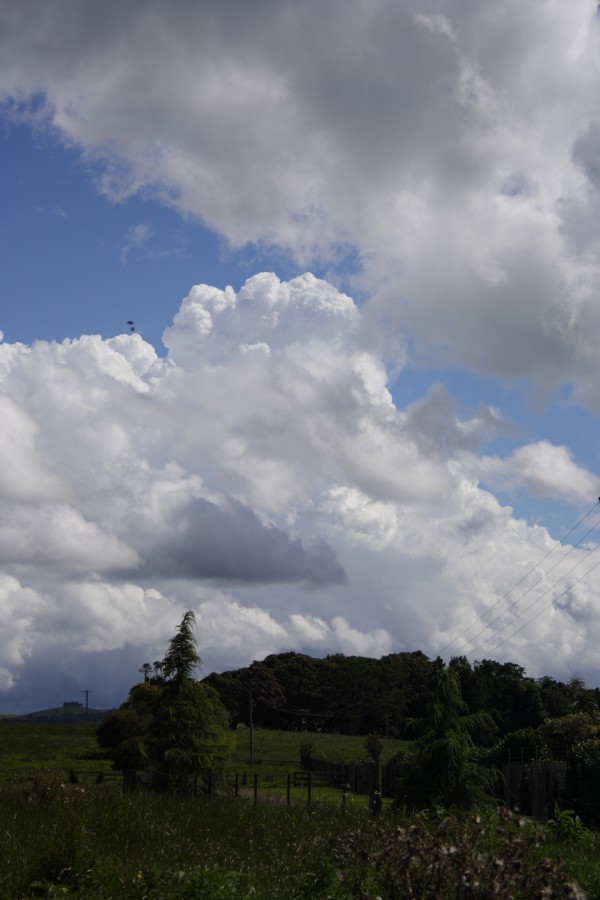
<point>532,780</point>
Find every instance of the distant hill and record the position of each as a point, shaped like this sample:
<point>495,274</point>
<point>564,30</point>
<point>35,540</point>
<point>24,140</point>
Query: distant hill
<point>67,714</point>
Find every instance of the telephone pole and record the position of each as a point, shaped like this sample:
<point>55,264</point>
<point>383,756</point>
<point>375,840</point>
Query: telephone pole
<point>251,728</point>
<point>87,694</point>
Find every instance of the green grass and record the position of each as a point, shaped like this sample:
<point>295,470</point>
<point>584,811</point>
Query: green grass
<point>25,748</point>
<point>278,752</point>
<point>94,841</point>
<point>276,790</point>
<point>100,843</point>
<point>284,746</point>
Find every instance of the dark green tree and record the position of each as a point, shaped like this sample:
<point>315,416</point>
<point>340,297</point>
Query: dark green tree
<point>509,696</point>
<point>170,724</point>
<point>262,689</point>
<point>444,770</point>
<point>146,671</point>
<point>181,659</point>
<point>556,697</point>
<point>583,779</point>
<point>374,747</point>
<point>304,681</point>
<point>186,732</point>
<point>123,732</point>
<point>582,699</point>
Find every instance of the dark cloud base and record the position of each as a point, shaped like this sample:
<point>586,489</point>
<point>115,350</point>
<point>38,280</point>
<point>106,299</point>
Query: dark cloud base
<point>229,543</point>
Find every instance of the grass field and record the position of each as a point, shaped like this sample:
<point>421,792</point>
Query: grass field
<point>284,746</point>
<point>98,842</point>
<point>94,841</point>
<point>26,747</point>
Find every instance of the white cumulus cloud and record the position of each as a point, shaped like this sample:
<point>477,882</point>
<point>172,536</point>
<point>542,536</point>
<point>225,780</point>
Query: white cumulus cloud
<point>262,475</point>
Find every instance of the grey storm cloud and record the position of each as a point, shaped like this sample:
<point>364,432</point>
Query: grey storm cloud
<point>229,543</point>
<point>586,153</point>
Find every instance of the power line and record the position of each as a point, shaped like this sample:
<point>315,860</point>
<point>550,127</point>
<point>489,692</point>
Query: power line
<point>535,584</point>
<point>521,580</point>
<point>541,596</point>
<point>548,605</point>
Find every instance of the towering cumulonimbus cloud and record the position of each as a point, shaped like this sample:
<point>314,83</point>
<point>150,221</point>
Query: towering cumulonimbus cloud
<point>263,475</point>
<point>274,472</point>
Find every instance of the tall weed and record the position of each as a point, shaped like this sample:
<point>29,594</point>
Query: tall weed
<point>97,842</point>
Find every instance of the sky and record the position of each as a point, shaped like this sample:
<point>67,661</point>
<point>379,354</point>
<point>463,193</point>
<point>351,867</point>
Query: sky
<point>357,410</point>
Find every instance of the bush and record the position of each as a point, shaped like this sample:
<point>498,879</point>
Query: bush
<point>98,843</point>
<point>584,780</point>
<point>310,757</point>
<point>446,856</point>
<point>120,726</point>
<point>41,789</point>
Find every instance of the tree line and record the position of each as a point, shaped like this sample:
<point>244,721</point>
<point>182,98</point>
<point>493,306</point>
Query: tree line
<point>359,695</point>
<point>458,716</point>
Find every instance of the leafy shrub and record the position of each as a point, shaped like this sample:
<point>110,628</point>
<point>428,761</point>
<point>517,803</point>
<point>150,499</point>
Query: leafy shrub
<point>123,725</point>
<point>310,757</point>
<point>41,789</point>
<point>584,780</point>
<point>567,826</point>
<point>446,856</point>
<point>374,747</point>
<point>564,733</point>
<point>525,744</point>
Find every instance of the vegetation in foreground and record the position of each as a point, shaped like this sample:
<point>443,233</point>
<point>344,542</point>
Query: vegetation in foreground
<point>66,840</point>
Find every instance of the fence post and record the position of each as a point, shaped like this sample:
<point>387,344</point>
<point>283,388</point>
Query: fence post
<point>309,788</point>
<point>288,789</point>
<point>255,788</point>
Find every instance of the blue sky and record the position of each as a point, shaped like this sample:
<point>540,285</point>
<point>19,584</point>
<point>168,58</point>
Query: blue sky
<point>53,214</point>
<point>367,471</point>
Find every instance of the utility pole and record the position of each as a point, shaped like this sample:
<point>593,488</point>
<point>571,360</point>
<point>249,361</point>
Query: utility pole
<point>251,728</point>
<point>87,694</point>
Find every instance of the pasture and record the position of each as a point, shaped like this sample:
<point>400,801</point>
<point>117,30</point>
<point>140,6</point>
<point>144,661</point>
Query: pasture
<point>94,841</point>
<point>25,748</point>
